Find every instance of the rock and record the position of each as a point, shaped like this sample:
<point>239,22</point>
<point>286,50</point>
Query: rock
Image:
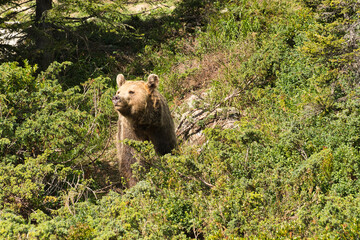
<point>194,119</point>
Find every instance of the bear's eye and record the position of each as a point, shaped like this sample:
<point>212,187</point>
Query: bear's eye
<point>131,92</point>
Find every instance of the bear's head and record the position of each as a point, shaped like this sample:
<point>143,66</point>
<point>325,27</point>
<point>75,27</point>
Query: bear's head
<point>133,98</point>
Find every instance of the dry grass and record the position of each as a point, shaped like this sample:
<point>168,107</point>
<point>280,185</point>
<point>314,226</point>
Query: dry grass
<point>196,73</point>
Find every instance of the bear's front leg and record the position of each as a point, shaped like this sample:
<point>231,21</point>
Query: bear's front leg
<point>125,152</point>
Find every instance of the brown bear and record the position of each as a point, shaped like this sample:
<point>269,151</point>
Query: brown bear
<point>143,115</point>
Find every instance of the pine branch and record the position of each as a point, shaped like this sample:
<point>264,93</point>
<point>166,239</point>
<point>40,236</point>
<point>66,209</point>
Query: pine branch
<point>18,5</point>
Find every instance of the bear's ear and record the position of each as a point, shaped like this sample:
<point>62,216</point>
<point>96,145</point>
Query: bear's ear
<point>153,81</point>
<point>120,80</point>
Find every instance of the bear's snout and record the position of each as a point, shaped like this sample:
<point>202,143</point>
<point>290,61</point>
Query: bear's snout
<point>116,99</point>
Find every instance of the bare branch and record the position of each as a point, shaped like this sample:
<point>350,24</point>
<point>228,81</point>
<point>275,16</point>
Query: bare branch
<point>235,93</point>
<point>194,178</point>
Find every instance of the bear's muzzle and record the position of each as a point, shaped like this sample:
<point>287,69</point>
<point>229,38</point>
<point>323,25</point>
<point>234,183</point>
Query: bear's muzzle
<point>116,99</point>
<point>121,105</point>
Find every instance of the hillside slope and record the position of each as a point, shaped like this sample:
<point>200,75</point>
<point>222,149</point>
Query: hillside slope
<point>287,167</point>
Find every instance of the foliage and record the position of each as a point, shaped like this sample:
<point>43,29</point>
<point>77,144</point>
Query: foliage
<point>47,134</point>
<point>98,37</point>
<point>288,170</point>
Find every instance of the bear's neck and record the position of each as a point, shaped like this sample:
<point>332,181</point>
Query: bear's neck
<point>151,117</point>
<point>143,122</point>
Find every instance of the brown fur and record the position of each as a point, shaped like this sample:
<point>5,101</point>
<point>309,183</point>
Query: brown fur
<point>143,115</point>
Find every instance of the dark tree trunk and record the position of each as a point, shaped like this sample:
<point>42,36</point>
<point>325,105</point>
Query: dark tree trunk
<point>41,7</point>
<point>43,36</point>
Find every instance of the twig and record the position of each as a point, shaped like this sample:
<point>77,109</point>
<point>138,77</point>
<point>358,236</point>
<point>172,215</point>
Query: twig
<point>303,153</point>
<point>102,190</point>
<point>106,145</point>
<point>75,19</point>
<point>194,178</point>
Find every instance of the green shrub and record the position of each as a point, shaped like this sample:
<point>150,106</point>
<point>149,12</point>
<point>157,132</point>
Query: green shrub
<point>289,169</point>
<point>46,134</point>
